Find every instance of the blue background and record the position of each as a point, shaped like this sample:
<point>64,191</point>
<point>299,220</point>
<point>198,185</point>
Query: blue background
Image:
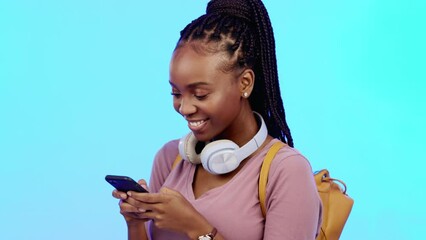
<point>84,92</point>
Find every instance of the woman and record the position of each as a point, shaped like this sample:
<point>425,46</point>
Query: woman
<point>224,82</point>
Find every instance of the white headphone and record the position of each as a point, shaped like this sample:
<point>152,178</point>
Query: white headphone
<point>221,156</point>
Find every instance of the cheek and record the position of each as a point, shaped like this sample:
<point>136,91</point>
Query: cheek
<point>176,105</point>
<point>231,97</point>
<point>226,104</point>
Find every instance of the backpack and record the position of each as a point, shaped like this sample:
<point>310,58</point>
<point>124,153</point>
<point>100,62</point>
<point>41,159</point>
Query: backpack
<point>337,205</point>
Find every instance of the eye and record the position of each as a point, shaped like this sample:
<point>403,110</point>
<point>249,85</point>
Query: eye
<point>175,94</point>
<point>200,97</point>
<point>200,94</point>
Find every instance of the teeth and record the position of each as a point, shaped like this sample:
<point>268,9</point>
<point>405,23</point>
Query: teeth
<point>195,124</point>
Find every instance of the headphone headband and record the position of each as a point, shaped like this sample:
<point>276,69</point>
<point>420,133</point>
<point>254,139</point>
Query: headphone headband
<point>257,141</point>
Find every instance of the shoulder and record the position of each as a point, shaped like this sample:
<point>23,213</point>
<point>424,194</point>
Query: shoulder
<point>168,152</point>
<point>166,155</point>
<point>292,195</point>
<point>170,145</point>
<point>162,165</point>
<point>289,169</point>
<point>290,160</point>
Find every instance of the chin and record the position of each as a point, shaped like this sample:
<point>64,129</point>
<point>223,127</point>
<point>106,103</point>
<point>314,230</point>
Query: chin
<point>202,137</point>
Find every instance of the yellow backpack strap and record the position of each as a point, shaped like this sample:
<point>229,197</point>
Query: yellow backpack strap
<point>177,160</point>
<point>264,171</point>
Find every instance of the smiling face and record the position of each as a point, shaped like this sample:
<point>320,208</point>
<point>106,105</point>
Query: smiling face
<point>209,98</point>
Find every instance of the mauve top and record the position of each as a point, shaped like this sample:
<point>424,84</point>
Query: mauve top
<point>292,201</point>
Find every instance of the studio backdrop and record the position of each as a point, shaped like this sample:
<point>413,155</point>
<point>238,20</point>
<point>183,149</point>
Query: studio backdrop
<point>84,93</point>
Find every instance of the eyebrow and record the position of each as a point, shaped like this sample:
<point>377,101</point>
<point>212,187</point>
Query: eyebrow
<point>193,85</point>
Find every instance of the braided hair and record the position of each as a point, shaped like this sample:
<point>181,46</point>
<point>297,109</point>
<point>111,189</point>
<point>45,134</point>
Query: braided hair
<point>242,29</point>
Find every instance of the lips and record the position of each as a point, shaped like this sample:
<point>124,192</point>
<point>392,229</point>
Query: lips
<point>196,125</point>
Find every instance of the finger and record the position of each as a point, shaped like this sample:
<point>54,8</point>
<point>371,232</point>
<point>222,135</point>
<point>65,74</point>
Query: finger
<point>143,183</point>
<point>125,207</point>
<point>141,207</point>
<point>149,215</point>
<point>127,210</point>
<point>119,195</point>
<point>147,197</point>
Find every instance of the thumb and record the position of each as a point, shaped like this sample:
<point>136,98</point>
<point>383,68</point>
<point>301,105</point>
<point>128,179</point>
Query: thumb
<point>143,183</point>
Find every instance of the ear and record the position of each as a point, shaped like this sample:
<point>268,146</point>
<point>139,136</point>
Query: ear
<point>246,81</point>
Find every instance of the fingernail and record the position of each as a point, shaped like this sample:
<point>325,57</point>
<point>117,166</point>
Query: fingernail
<point>141,210</point>
<point>124,196</point>
<point>129,193</point>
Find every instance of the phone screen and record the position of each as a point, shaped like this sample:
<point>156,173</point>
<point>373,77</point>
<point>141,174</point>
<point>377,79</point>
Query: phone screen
<point>124,183</point>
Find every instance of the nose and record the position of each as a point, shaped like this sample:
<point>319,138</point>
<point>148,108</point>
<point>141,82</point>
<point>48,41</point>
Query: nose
<point>186,107</point>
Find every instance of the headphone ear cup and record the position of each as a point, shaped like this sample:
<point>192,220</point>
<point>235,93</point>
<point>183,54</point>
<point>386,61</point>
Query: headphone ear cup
<point>218,157</point>
<point>187,148</point>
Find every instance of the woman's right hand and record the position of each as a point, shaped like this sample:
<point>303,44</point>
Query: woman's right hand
<point>130,213</point>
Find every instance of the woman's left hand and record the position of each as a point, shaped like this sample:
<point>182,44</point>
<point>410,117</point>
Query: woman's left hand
<point>170,210</point>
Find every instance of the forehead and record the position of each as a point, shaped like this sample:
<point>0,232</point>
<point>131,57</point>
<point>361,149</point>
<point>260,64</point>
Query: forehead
<point>196,55</point>
<point>189,66</point>
<point>191,62</point>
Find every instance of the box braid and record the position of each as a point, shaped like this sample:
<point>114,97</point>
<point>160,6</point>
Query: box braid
<point>243,30</point>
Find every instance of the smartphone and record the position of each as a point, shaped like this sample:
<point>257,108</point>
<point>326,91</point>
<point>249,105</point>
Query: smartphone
<point>124,183</point>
